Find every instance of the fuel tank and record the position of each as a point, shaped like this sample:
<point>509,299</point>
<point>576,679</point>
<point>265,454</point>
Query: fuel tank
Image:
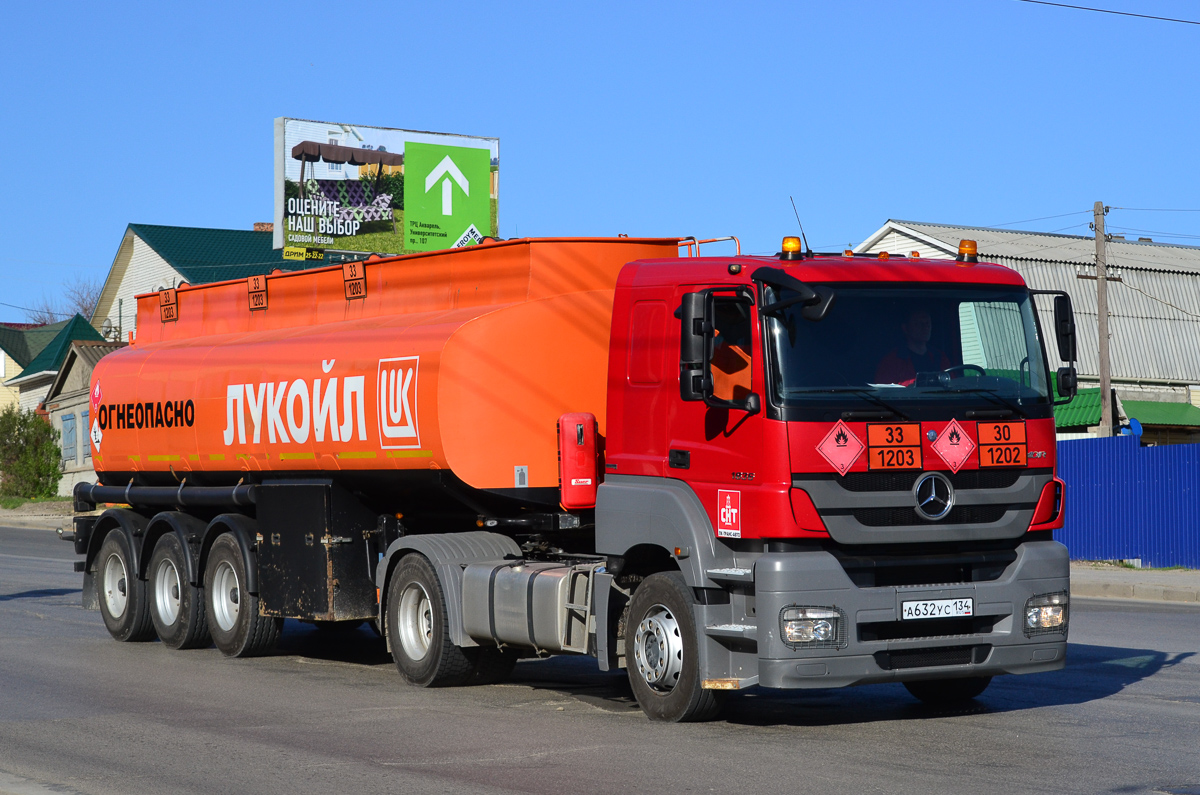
<point>458,361</point>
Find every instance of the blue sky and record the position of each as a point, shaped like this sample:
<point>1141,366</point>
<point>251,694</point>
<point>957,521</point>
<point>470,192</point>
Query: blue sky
<point>644,118</point>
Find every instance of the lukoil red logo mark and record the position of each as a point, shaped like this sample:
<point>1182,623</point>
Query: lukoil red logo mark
<point>729,514</point>
<point>397,390</point>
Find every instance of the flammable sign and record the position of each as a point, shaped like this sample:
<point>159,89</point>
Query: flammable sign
<point>954,445</point>
<point>841,447</point>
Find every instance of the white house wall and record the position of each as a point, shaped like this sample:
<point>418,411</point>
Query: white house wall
<point>895,242</point>
<point>144,272</point>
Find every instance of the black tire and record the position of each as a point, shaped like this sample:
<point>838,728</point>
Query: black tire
<point>492,665</point>
<point>948,691</point>
<point>662,652</point>
<point>237,627</point>
<point>418,629</point>
<point>176,606</point>
<point>124,603</point>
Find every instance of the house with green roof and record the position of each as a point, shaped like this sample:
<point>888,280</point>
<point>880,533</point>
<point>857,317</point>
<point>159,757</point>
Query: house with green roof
<point>45,348</point>
<point>20,343</point>
<point>154,257</point>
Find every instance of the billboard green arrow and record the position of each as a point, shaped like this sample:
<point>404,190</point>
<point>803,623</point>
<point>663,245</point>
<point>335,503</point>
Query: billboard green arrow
<point>436,219</point>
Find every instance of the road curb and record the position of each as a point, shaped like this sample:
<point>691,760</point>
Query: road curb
<point>1152,593</point>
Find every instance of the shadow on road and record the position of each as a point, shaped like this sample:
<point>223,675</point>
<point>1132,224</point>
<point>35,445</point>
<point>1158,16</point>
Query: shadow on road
<point>334,643</point>
<point>39,593</point>
<point>1092,673</point>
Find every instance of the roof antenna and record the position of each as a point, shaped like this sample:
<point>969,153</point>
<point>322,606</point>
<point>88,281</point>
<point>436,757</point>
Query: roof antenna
<point>802,237</point>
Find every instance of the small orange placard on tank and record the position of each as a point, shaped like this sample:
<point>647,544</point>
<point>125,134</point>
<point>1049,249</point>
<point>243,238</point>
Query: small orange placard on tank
<point>354,277</point>
<point>256,286</point>
<point>168,306</point>
<point>894,445</point>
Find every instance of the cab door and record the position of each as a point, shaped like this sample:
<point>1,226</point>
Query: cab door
<point>718,449</point>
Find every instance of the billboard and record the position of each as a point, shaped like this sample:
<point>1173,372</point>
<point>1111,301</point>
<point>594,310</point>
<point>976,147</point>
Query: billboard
<point>347,187</point>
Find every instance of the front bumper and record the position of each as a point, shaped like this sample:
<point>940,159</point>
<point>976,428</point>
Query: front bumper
<point>998,644</point>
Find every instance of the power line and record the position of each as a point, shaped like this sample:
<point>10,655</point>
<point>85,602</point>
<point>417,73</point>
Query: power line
<point>1110,11</point>
<point>1155,232</point>
<point>1043,218</point>
<point>47,311</point>
<point>1153,210</point>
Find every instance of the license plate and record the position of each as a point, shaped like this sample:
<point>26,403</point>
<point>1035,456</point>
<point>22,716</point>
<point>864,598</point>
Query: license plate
<point>937,608</point>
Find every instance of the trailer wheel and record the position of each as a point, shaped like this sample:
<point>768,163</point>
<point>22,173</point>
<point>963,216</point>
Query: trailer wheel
<point>124,603</point>
<point>237,628</point>
<point>948,691</point>
<point>418,628</point>
<point>663,652</point>
<point>176,606</point>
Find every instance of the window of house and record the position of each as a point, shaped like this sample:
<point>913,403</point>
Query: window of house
<point>334,166</point>
<point>85,441</point>
<point>68,438</point>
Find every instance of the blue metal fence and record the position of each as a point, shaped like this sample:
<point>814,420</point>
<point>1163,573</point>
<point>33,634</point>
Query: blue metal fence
<point>1124,501</point>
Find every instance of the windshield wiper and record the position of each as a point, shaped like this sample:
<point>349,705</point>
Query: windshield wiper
<point>996,398</point>
<point>865,394</point>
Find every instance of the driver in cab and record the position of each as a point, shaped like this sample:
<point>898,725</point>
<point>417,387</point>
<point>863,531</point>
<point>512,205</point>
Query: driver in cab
<point>915,355</point>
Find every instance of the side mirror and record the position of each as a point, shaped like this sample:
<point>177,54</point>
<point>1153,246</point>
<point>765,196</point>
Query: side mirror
<point>696,329</point>
<point>752,404</point>
<point>1064,329</point>
<point>1068,383</point>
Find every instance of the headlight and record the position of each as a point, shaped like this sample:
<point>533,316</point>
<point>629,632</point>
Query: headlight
<point>1046,613</point>
<point>822,627</point>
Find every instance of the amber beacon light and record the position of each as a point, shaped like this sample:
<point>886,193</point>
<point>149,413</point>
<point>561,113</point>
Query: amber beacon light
<point>968,252</point>
<point>791,248</point>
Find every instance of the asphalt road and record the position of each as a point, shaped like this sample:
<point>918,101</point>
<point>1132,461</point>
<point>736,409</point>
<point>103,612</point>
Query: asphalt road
<point>80,713</point>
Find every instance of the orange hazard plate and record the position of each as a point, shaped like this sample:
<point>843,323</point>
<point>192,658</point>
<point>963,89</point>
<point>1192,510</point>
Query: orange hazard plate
<point>1002,444</point>
<point>894,445</point>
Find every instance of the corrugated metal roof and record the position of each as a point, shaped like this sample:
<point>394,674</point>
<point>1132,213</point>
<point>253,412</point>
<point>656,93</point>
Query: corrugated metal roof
<point>1153,412</point>
<point>212,255</point>
<point>1082,411</point>
<point>1154,310</point>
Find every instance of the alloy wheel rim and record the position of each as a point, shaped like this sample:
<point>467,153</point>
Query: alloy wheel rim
<point>415,621</point>
<point>226,596</point>
<point>167,591</point>
<point>116,585</point>
<point>658,649</point>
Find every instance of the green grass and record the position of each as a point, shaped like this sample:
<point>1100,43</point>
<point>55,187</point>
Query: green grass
<point>16,502</point>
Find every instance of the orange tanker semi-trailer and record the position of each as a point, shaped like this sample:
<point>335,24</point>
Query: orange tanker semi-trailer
<point>274,435</point>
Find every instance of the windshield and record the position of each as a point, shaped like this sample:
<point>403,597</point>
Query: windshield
<point>906,348</point>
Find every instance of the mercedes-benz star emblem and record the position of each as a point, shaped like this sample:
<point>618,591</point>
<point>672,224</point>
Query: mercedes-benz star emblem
<point>935,496</point>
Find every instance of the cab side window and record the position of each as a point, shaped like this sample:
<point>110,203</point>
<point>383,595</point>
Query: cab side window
<point>732,349</point>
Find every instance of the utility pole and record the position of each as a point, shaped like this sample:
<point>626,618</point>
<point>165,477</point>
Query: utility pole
<point>1106,417</point>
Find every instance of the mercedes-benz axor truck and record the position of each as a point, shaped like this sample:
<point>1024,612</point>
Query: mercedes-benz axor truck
<point>800,471</point>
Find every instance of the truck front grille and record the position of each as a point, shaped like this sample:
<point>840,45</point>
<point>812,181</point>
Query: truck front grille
<point>904,481</point>
<point>901,517</point>
<point>927,628</point>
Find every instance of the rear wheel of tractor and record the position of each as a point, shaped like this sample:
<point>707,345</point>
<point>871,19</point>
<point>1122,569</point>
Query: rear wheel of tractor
<point>124,603</point>
<point>237,628</point>
<point>662,650</point>
<point>418,629</point>
<point>176,606</point>
<point>948,691</point>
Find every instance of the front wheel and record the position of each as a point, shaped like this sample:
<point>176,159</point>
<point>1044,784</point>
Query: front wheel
<point>418,629</point>
<point>663,652</point>
<point>948,691</point>
<point>124,603</point>
<point>237,628</point>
